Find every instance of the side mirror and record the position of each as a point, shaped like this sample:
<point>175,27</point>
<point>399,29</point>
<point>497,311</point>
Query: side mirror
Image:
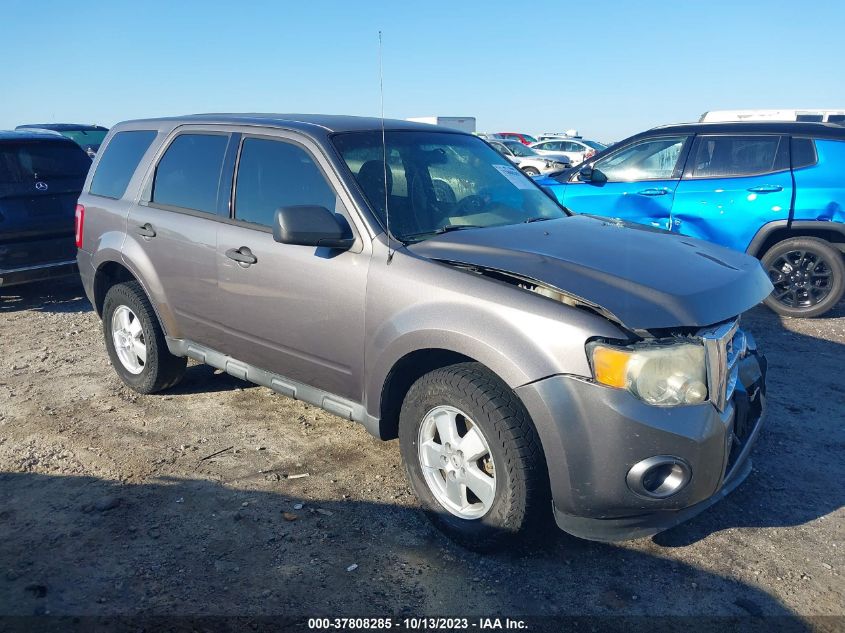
<point>311,226</point>
<point>588,174</point>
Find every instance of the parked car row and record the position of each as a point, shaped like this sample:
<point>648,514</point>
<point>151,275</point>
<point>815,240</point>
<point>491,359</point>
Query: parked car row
<point>529,161</point>
<point>370,253</point>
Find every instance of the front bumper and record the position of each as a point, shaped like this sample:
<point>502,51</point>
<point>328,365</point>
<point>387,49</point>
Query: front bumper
<point>593,435</point>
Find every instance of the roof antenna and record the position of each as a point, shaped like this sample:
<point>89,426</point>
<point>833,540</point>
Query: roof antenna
<point>384,149</point>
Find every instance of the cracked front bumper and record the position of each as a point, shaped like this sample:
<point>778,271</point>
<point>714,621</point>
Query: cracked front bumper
<point>593,435</point>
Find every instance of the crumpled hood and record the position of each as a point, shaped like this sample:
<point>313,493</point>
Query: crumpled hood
<point>647,278</point>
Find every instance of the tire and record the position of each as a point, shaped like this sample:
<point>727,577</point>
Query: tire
<point>808,275</point>
<point>531,171</point>
<point>518,470</point>
<point>127,303</point>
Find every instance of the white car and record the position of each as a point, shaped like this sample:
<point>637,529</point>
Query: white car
<point>576,149</point>
<point>529,161</point>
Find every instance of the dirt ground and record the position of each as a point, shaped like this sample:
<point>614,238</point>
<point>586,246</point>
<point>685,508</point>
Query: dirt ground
<point>187,502</point>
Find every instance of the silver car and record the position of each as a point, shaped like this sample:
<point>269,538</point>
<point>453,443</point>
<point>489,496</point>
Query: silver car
<point>528,160</point>
<point>576,150</point>
<point>527,359</point>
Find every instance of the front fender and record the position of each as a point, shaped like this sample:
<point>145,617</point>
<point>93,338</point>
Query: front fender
<point>518,335</point>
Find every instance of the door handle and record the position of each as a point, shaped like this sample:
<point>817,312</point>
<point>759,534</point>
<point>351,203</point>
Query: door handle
<point>146,230</point>
<point>242,255</point>
<point>766,189</point>
<point>653,191</point>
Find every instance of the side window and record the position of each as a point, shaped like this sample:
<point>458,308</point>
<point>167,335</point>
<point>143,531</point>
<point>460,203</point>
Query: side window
<point>188,175</point>
<point>119,161</point>
<point>651,159</point>
<point>803,153</point>
<point>726,156</point>
<point>554,146</point>
<point>273,174</point>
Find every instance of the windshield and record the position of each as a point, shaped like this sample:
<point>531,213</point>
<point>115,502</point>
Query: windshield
<point>529,138</point>
<point>438,181</point>
<point>28,161</point>
<point>519,149</point>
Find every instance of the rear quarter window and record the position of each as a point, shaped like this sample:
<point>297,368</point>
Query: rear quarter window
<point>31,161</point>
<point>803,153</point>
<point>119,162</point>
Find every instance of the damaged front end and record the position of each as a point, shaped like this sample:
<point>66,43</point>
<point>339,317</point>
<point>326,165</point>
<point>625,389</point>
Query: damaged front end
<point>536,287</point>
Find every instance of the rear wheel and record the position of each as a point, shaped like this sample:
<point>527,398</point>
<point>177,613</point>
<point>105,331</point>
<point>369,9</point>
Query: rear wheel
<point>135,341</point>
<point>808,276</point>
<point>531,171</point>
<point>472,455</point>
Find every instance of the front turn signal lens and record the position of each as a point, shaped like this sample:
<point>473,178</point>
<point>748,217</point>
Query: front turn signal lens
<point>610,366</point>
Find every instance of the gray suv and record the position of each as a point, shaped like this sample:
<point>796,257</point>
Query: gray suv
<point>409,278</point>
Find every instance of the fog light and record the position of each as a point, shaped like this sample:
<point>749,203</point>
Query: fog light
<point>659,477</point>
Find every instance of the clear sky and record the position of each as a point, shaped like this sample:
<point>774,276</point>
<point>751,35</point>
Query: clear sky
<point>608,68</point>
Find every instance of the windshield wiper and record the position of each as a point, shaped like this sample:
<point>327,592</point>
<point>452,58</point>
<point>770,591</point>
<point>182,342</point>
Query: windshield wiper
<point>443,229</point>
<point>530,220</point>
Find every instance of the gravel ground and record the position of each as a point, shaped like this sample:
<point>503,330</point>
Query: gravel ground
<point>188,502</point>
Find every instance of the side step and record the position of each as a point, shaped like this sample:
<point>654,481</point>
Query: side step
<point>337,405</point>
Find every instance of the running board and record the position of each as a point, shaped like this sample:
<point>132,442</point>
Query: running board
<point>336,405</point>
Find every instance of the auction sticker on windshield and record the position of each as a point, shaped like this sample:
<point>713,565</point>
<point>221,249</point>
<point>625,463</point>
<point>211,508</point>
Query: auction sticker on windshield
<point>514,176</point>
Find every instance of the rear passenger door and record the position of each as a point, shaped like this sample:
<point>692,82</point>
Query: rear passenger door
<point>732,185</point>
<point>297,311</point>
<point>172,232</point>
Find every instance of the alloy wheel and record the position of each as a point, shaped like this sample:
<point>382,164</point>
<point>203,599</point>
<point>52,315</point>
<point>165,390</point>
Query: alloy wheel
<point>802,278</point>
<point>457,463</point>
<point>128,338</point>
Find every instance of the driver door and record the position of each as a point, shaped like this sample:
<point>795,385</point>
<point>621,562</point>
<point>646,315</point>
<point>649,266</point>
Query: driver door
<point>636,183</point>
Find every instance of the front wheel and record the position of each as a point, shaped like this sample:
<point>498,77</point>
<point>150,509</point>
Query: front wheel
<point>472,455</point>
<point>808,276</point>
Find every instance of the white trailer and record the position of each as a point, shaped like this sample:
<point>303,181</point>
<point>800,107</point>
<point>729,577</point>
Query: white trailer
<point>462,123</point>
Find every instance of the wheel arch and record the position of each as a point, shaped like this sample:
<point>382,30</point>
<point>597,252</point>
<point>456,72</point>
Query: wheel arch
<point>107,275</point>
<point>111,272</point>
<point>404,373</point>
<point>770,234</point>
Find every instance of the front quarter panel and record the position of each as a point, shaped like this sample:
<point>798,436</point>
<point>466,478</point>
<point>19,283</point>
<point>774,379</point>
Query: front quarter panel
<point>416,304</point>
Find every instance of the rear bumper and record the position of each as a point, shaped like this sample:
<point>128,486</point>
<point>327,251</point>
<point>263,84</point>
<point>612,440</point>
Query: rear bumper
<point>593,436</point>
<point>86,274</point>
<point>38,272</point>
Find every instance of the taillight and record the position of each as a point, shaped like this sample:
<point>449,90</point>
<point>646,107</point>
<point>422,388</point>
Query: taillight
<point>589,153</point>
<point>80,221</point>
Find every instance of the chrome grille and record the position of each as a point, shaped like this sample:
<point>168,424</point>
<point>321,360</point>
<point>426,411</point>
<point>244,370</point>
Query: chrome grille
<point>724,346</point>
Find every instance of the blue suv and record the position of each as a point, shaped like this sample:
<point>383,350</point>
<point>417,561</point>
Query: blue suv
<point>774,190</point>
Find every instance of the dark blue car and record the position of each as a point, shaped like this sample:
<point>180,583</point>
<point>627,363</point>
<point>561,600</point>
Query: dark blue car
<point>41,176</point>
<point>775,190</point>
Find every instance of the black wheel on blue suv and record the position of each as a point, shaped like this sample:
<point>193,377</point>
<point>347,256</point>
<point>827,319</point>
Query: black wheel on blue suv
<point>135,341</point>
<point>472,455</point>
<point>808,275</point>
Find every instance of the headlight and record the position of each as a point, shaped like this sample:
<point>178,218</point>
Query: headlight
<point>665,375</point>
